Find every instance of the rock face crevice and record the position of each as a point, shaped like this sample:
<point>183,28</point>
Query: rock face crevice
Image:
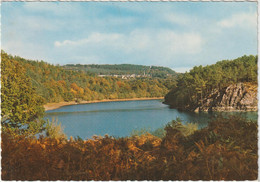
<point>236,97</point>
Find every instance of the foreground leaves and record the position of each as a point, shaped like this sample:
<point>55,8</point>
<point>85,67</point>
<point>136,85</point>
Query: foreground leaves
<point>225,150</point>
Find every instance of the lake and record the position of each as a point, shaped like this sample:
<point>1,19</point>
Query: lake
<point>119,119</point>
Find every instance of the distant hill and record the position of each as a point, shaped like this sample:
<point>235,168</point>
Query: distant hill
<point>123,69</point>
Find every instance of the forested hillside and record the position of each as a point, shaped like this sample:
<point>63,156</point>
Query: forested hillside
<point>193,88</point>
<point>124,69</point>
<point>56,84</point>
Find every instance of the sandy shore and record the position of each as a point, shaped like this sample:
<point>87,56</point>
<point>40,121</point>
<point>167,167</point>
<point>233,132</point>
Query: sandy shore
<point>51,106</point>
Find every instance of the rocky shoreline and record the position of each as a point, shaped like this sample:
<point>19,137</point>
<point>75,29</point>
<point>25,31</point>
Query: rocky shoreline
<point>236,97</point>
<point>233,98</point>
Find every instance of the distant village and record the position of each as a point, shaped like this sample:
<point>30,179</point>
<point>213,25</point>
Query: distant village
<point>126,77</point>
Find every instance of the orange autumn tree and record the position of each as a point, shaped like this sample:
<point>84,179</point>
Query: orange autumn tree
<point>77,91</point>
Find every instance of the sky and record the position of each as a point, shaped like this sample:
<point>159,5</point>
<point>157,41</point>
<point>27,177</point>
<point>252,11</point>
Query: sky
<point>178,35</point>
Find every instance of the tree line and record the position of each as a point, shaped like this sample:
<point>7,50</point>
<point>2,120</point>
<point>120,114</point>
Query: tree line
<point>199,82</point>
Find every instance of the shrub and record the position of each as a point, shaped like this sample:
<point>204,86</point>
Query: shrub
<point>54,130</point>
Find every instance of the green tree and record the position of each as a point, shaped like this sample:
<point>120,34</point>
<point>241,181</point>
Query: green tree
<point>22,108</point>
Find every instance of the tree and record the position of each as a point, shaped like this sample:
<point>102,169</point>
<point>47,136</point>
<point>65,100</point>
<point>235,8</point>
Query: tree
<point>22,108</point>
<point>200,86</point>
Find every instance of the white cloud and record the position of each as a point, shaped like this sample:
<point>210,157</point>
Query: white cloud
<point>247,20</point>
<point>141,46</point>
<point>165,41</point>
<point>94,38</point>
<point>180,43</point>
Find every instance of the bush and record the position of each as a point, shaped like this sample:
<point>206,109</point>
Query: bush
<point>54,130</point>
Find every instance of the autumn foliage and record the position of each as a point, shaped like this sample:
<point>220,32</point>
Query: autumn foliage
<point>57,84</point>
<point>225,150</point>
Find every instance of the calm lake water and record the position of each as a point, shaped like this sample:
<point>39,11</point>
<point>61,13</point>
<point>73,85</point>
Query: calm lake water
<point>121,118</point>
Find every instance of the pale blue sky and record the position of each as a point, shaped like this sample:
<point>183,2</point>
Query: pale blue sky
<point>178,35</point>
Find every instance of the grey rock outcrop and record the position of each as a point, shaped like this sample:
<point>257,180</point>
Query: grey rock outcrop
<point>236,97</point>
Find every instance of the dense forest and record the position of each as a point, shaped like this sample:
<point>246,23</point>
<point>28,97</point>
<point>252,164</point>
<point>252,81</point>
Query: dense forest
<point>56,84</point>
<point>192,87</point>
<point>123,69</point>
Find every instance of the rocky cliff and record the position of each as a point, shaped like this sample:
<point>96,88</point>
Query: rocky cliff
<point>236,97</point>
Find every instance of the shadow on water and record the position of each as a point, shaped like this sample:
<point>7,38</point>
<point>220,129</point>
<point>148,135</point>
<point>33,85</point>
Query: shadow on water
<point>203,118</point>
